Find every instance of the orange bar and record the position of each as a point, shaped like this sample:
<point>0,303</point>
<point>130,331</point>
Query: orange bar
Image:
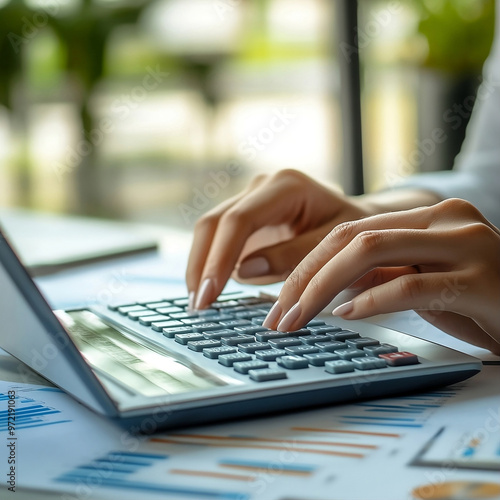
<point>235,444</point>
<point>269,440</point>
<point>281,472</point>
<point>218,475</point>
<point>343,431</point>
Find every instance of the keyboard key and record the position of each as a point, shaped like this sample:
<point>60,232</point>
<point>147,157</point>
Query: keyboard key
<point>194,321</point>
<point>375,350</point>
<point>349,353</point>
<point>172,332</point>
<point>238,339</point>
<point>258,320</point>
<point>301,349</point>
<point>135,315</point>
<point>206,327</point>
<point>115,307</point>
<point>250,330</point>
<point>361,342</point>
<point>207,312</point>
<point>250,301</point>
<point>369,363</point>
<point>400,358</point>
<point>315,322</point>
<point>272,334</point>
<point>221,317</point>
<point>293,362</point>
<point>320,358</point>
<point>254,346</point>
<point>184,338</point>
<point>247,314</point>
<point>331,346</point>
<point>199,345</point>
<point>313,339</point>
<point>233,323</point>
<point>339,366</point>
<point>124,310</point>
<point>184,315</point>
<point>215,352</point>
<point>246,366</point>
<point>299,333</point>
<point>343,335</point>
<point>230,359</point>
<point>219,334</point>
<point>224,304</point>
<point>161,325</point>
<point>316,330</point>
<point>267,374</point>
<point>169,310</point>
<point>156,305</point>
<point>148,320</point>
<point>282,343</point>
<point>270,355</point>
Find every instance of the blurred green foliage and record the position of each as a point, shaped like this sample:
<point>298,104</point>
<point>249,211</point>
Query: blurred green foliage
<point>458,33</point>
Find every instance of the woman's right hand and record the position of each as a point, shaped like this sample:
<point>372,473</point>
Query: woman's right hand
<point>261,234</point>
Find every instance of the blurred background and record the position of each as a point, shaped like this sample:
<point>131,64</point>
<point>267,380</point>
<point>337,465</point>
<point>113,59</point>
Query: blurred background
<point>155,111</point>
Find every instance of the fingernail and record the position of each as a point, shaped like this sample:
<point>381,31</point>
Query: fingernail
<point>191,300</point>
<point>204,292</point>
<point>290,318</point>
<point>251,268</point>
<point>343,309</point>
<point>272,316</point>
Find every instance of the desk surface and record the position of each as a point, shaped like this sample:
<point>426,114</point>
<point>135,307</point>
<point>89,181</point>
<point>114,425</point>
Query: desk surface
<point>395,445</point>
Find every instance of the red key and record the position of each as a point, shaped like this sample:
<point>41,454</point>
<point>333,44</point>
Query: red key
<point>400,358</point>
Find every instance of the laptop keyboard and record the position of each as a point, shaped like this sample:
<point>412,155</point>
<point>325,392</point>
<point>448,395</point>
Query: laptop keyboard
<point>230,332</point>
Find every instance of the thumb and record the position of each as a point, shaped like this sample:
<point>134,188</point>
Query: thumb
<point>276,262</point>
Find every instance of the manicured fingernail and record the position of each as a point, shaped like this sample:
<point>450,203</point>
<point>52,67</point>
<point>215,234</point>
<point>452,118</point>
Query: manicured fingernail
<point>251,268</point>
<point>343,309</point>
<point>290,318</point>
<point>204,293</point>
<point>191,300</point>
<point>272,316</point>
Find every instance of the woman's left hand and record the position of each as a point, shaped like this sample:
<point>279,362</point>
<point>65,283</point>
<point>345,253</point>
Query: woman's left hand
<point>442,261</point>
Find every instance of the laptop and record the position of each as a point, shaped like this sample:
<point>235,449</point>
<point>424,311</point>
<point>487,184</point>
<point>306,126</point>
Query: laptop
<point>156,364</point>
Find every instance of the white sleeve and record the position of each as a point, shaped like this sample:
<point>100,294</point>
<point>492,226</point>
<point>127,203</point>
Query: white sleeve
<point>476,173</point>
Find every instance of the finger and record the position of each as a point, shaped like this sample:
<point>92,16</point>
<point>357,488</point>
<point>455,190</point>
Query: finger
<point>341,236</point>
<point>272,204</point>
<point>369,250</point>
<point>428,292</point>
<point>279,260</point>
<point>204,233</point>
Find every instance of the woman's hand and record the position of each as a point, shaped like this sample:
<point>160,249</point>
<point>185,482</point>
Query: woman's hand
<point>443,261</point>
<point>260,235</point>
<point>263,233</point>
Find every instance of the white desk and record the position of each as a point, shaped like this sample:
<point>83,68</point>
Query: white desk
<point>297,456</point>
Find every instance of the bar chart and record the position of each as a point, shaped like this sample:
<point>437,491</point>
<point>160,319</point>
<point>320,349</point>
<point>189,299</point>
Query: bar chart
<point>29,413</point>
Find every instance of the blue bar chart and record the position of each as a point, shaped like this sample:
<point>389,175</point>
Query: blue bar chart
<point>28,413</point>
